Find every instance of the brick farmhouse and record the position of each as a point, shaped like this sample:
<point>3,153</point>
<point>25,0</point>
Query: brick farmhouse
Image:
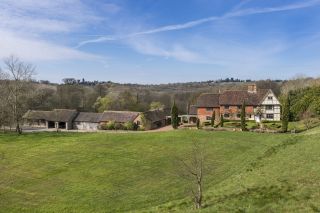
<point>260,105</point>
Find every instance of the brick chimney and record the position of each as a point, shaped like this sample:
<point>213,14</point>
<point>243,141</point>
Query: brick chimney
<point>252,88</point>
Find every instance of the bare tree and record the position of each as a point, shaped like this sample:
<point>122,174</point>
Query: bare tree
<point>4,115</point>
<point>18,79</point>
<point>308,118</point>
<point>193,170</point>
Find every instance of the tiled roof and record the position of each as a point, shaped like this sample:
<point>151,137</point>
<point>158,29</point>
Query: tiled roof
<point>59,115</point>
<point>231,98</point>
<point>156,115</point>
<point>119,116</point>
<point>90,117</point>
<point>208,100</point>
<point>192,110</point>
<point>237,97</point>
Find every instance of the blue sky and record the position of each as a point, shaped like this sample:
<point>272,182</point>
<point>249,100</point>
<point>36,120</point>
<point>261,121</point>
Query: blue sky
<point>161,41</point>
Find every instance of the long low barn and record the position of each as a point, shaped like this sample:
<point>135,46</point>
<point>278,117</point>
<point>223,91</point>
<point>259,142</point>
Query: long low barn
<point>58,118</point>
<point>71,119</point>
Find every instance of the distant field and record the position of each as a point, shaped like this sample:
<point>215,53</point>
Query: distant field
<point>100,172</point>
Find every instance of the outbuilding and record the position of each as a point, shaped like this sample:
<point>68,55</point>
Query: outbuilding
<point>87,121</point>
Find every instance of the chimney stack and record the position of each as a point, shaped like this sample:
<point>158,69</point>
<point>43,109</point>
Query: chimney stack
<point>252,88</point>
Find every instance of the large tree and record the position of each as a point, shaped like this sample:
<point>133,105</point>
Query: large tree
<point>18,84</point>
<point>243,116</point>
<point>5,116</point>
<point>156,105</point>
<point>174,116</point>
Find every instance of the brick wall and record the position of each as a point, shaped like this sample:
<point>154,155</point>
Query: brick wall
<point>233,111</point>
<point>203,113</point>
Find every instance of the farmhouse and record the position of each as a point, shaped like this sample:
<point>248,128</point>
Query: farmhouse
<point>260,105</point>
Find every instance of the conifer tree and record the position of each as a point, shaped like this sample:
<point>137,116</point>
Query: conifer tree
<point>221,121</point>
<point>174,116</point>
<point>243,116</point>
<point>198,123</point>
<point>213,118</point>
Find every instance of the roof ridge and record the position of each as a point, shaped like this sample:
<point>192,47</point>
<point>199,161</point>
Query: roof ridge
<point>209,93</point>
<point>120,111</point>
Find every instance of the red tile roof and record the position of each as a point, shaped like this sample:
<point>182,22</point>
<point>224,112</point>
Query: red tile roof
<point>233,98</point>
<point>208,100</point>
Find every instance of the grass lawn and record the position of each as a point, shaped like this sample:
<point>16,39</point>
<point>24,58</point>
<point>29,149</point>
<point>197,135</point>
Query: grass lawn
<point>101,172</point>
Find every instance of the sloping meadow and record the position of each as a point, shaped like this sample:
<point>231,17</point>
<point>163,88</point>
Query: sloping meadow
<point>101,172</point>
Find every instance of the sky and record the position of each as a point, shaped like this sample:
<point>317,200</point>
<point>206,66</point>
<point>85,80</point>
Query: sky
<point>163,41</point>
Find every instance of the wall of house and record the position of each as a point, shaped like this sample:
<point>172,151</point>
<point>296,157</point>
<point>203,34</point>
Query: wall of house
<point>271,106</point>
<point>138,120</point>
<point>69,125</point>
<point>234,112</point>
<point>85,126</point>
<point>35,123</point>
<point>205,114</point>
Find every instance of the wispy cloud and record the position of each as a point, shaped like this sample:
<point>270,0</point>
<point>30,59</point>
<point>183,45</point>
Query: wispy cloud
<point>26,27</point>
<point>38,50</point>
<point>44,16</point>
<point>233,13</point>
<point>177,51</point>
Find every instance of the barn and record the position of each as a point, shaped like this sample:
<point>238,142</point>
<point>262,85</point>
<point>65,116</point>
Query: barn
<point>58,118</point>
<point>156,118</point>
<point>120,117</point>
<point>87,121</point>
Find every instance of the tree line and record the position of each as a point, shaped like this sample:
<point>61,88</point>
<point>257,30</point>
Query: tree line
<point>19,92</point>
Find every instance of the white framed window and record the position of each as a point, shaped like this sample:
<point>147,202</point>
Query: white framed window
<point>270,98</point>
<point>270,116</point>
<point>226,107</point>
<point>269,107</point>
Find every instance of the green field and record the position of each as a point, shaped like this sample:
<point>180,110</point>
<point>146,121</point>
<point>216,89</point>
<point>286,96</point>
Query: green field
<point>101,172</point>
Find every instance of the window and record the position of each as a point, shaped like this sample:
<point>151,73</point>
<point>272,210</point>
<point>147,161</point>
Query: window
<point>270,116</point>
<point>226,115</point>
<point>238,115</point>
<point>209,109</point>
<point>239,107</point>
<point>208,118</point>
<point>226,107</point>
<point>270,98</point>
<point>269,107</point>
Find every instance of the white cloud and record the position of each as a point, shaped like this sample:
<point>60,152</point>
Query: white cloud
<point>26,27</point>
<point>148,46</point>
<point>37,50</point>
<point>191,24</point>
<point>45,15</point>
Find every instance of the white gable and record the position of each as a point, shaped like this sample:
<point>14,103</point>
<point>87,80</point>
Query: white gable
<point>270,99</point>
